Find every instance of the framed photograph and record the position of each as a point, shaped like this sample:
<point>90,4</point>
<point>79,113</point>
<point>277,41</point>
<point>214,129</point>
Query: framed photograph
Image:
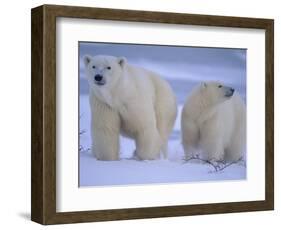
<point>140,114</point>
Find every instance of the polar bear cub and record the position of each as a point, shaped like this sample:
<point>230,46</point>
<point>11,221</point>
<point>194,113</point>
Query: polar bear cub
<point>214,123</point>
<point>131,101</point>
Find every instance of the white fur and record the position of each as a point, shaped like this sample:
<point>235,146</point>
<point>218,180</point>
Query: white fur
<point>133,102</point>
<point>214,125</point>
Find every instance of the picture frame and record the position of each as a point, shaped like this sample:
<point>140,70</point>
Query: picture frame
<point>44,112</point>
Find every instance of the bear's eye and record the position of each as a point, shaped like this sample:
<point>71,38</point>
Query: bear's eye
<point>108,67</point>
<point>220,86</point>
<point>93,67</point>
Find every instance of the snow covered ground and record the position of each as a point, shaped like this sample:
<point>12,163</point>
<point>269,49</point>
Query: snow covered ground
<point>126,172</point>
<point>129,171</point>
<point>174,169</point>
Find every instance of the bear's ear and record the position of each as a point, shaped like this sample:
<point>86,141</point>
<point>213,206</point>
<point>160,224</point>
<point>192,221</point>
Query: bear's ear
<point>87,59</point>
<point>122,61</point>
<point>203,85</point>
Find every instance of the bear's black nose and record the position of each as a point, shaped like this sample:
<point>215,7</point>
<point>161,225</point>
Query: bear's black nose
<point>98,77</point>
<point>232,90</point>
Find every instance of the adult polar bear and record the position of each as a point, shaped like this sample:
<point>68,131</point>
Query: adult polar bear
<point>214,121</point>
<point>131,101</point>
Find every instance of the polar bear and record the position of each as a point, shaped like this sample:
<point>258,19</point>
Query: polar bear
<point>213,123</point>
<point>131,101</point>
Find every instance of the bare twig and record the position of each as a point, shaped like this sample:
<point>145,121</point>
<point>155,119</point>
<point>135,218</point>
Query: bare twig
<point>203,160</point>
<point>230,163</point>
<point>217,165</point>
<point>81,132</point>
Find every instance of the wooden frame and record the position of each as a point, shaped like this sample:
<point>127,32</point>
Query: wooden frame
<point>43,188</point>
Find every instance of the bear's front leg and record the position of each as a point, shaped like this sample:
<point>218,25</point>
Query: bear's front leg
<point>105,132</point>
<point>148,144</point>
<point>211,142</point>
<point>212,150</point>
<point>190,138</point>
<point>105,144</point>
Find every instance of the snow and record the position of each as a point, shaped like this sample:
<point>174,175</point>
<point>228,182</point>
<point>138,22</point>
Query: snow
<point>128,171</point>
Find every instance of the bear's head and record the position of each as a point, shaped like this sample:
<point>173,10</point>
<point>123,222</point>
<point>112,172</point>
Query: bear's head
<point>215,93</point>
<point>103,72</point>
